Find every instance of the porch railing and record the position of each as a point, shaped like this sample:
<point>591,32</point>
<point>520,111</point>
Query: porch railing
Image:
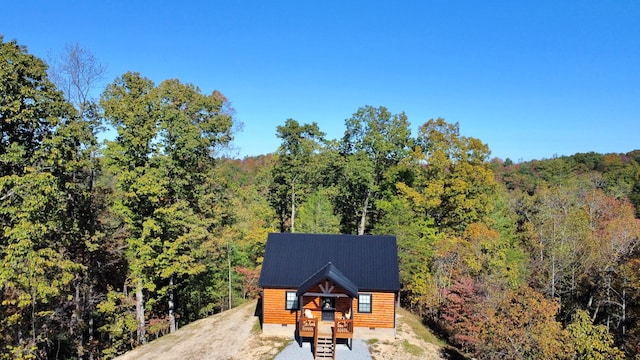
<point>343,329</point>
<point>307,327</point>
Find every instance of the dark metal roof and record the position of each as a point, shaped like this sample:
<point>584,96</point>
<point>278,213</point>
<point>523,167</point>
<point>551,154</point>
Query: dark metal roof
<point>328,272</point>
<point>370,262</point>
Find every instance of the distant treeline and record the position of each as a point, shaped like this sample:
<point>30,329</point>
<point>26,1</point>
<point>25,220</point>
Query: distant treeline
<point>617,174</point>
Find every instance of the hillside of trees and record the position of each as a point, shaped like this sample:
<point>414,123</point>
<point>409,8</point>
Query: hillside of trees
<point>105,246</point>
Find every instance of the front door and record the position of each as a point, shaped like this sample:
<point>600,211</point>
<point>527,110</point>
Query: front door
<point>328,308</point>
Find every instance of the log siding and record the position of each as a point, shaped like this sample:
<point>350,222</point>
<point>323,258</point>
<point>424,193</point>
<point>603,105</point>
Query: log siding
<point>382,313</point>
<point>273,307</point>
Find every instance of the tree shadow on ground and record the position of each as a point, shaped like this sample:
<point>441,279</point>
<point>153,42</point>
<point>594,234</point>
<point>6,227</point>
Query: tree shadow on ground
<point>452,353</point>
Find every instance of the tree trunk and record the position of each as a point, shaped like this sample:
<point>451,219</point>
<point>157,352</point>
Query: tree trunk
<point>229,269</point>
<point>90,325</point>
<point>624,312</point>
<point>363,218</point>
<point>293,208</point>
<point>172,315</point>
<point>33,316</point>
<point>609,301</point>
<point>142,336</point>
<point>553,277</point>
<point>77,318</point>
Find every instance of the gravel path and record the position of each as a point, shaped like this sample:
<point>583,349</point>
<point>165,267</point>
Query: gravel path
<point>219,337</point>
<point>231,336</point>
<point>360,351</point>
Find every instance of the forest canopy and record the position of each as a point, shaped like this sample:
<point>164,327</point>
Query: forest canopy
<point>106,246</point>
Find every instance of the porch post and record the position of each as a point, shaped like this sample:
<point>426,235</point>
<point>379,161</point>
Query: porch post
<point>298,320</point>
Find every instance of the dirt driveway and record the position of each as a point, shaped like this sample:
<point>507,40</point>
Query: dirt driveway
<point>235,335</point>
<point>224,336</point>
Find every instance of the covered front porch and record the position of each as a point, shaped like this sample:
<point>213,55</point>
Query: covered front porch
<point>325,314</point>
<point>313,327</point>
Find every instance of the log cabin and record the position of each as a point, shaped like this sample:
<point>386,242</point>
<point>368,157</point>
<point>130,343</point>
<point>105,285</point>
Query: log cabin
<point>319,286</point>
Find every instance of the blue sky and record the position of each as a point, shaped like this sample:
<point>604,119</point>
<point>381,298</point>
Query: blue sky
<point>532,79</point>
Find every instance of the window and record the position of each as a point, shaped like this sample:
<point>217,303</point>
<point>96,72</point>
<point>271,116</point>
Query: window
<point>328,303</point>
<point>364,303</point>
<point>291,302</point>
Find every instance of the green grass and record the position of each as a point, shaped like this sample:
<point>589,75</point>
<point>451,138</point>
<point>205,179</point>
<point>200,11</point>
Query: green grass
<point>257,328</point>
<point>411,349</point>
<point>420,330</point>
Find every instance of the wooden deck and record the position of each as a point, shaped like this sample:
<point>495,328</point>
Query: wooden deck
<point>324,330</point>
<point>307,327</point>
<point>342,329</point>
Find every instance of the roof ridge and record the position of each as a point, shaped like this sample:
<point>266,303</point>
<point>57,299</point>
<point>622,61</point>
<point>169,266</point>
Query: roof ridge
<point>331,272</point>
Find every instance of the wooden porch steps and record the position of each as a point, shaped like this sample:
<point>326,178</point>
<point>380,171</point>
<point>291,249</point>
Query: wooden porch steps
<point>325,348</point>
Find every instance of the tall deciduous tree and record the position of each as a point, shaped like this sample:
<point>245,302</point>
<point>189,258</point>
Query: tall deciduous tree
<point>561,236</point>
<point>455,179</point>
<point>164,158</point>
<point>129,107</point>
<point>317,214</point>
<point>461,313</point>
<point>79,73</point>
<point>523,326</point>
<point>42,163</point>
<point>294,171</point>
<point>192,128</point>
<point>416,236</point>
<point>592,342</point>
<point>616,238</point>
<point>374,142</point>
<point>491,259</point>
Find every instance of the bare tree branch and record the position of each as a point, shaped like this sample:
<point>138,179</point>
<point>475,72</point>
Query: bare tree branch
<point>77,72</point>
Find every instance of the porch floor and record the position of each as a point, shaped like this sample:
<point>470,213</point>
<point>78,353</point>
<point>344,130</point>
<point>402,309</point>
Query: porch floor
<point>360,351</point>
<point>325,328</point>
